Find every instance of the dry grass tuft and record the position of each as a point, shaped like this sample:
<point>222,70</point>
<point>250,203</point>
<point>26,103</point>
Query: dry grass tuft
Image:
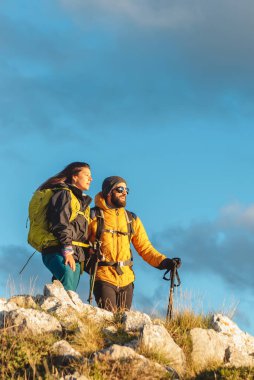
<point>23,356</point>
<point>127,370</point>
<point>88,339</point>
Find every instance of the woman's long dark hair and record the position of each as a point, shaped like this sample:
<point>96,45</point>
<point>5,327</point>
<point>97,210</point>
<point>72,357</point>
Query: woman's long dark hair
<point>65,176</point>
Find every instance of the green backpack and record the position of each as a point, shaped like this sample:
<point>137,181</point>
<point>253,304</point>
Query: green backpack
<point>39,236</point>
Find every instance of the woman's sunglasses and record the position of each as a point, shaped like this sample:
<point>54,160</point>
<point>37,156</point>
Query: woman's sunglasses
<point>121,189</point>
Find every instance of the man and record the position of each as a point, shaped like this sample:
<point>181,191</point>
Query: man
<point>113,288</point>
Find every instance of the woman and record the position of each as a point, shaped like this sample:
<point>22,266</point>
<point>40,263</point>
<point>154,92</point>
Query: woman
<point>68,218</point>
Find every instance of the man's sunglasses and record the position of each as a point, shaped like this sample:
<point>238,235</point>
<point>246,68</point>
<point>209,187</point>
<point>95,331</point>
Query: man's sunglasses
<point>121,189</point>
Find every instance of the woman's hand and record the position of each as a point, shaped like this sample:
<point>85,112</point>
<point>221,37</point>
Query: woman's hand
<point>67,253</point>
<point>69,260</point>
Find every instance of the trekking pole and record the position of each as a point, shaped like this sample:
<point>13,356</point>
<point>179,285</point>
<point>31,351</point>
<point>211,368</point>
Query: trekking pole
<point>27,262</point>
<point>94,270</point>
<point>92,280</point>
<point>173,274</point>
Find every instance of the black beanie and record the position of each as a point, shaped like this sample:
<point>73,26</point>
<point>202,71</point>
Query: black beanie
<point>109,183</point>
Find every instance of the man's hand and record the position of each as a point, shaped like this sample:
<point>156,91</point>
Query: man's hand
<point>170,263</point>
<point>178,261</point>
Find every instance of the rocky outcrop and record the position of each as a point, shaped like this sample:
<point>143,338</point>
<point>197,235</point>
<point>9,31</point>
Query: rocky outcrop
<point>208,348</point>
<point>57,311</point>
<point>224,344</point>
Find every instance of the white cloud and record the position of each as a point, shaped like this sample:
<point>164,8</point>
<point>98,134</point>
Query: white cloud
<point>168,14</point>
<point>237,215</point>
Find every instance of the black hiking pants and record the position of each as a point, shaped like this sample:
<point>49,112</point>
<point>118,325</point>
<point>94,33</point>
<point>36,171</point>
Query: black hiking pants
<point>111,297</point>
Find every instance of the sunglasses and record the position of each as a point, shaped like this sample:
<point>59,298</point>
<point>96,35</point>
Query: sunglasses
<point>121,189</point>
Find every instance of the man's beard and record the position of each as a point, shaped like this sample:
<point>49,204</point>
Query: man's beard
<point>117,202</point>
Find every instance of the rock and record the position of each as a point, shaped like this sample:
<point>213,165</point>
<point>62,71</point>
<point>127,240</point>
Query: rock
<point>135,361</point>
<point>238,358</point>
<point>32,321</point>
<point>223,324</point>
<point>69,299</point>
<point>57,291</point>
<point>208,347</point>
<point>96,314</point>
<point>75,299</point>
<point>155,338</point>
<point>48,304</point>
<point>226,344</point>
<point>5,307</point>
<point>116,352</point>
<point>63,353</point>
<point>24,301</point>
<point>240,350</point>
<point>135,320</point>
<point>68,318</point>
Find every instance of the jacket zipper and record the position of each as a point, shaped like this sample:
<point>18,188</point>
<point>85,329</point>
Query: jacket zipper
<point>117,246</point>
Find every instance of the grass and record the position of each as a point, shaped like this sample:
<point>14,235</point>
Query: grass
<point>87,340</point>
<point>24,355</point>
<point>221,373</point>
<point>180,326</point>
<point>127,370</point>
<point>13,288</point>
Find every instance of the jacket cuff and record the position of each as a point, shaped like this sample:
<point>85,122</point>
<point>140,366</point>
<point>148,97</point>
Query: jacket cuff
<point>67,250</point>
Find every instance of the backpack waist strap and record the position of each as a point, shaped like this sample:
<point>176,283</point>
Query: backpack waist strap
<point>55,246</point>
<point>116,264</point>
<point>80,244</point>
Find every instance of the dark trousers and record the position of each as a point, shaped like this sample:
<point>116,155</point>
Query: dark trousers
<point>111,297</point>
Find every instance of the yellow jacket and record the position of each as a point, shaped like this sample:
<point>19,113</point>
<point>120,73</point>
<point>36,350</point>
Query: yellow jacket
<point>116,247</point>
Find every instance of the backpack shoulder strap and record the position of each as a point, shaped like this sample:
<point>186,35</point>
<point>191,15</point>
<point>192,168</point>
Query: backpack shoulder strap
<point>130,216</point>
<point>93,212</point>
<point>75,204</point>
<point>98,213</point>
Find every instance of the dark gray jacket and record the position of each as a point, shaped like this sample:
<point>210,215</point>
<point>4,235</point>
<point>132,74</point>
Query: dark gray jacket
<point>58,215</point>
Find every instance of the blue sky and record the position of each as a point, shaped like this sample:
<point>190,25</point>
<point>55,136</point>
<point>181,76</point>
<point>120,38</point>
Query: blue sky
<point>159,92</point>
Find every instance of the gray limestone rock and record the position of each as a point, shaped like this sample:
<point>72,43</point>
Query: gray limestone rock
<point>63,353</point>
<point>33,321</point>
<point>135,320</point>
<point>155,338</point>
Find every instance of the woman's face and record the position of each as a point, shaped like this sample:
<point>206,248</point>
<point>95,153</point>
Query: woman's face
<point>83,179</point>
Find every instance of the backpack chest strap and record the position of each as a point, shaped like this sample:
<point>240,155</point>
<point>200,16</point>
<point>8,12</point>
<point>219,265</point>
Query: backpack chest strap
<point>116,232</point>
